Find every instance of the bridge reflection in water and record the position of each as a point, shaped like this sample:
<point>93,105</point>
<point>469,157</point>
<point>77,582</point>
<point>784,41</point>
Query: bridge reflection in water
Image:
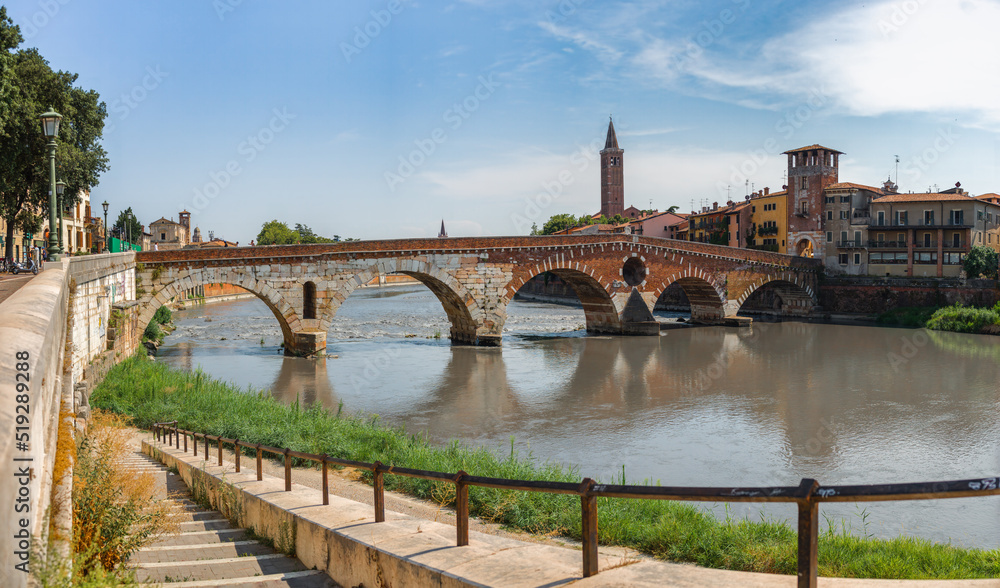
<point>698,406</point>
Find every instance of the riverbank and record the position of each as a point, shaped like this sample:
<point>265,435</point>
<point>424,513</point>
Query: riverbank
<point>152,392</point>
<point>956,318</point>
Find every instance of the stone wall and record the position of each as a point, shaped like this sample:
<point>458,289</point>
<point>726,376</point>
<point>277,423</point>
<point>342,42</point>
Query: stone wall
<point>33,325</point>
<point>878,295</point>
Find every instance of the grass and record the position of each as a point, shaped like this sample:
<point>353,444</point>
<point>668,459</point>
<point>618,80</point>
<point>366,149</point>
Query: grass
<point>956,318</point>
<point>152,392</point>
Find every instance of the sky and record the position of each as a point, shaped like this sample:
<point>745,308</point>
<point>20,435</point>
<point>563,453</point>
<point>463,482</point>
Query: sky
<point>377,120</point>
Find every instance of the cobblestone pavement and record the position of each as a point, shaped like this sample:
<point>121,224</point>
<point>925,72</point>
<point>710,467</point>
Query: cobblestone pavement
<point>9,283</point>
<point>209,550</point>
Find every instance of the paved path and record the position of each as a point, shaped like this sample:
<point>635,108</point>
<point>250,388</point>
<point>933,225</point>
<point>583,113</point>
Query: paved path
<point>208,550</point>
<point>9,283</point>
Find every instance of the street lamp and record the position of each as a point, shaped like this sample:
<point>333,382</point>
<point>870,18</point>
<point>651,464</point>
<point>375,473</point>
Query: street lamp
<point>105,205</point>
<point>50,126</point>
<point>60,188</point>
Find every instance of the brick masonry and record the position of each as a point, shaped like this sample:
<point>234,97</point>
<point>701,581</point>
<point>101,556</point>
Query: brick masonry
<point>475,278</point>
<point>878,295</point>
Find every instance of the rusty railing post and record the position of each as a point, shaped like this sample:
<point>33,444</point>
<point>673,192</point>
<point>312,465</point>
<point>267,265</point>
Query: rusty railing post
<point>288,471</point>
<point>236,448</point>
<point>808,534</point>
<point>588,531</point>
<point>194,442</point>
<point>461,509</point>
<point>379,483</point>
<point>326,483</point>
<point>206,448</point>
<point>219,440</point>
<point>185,442</point>
<point>260,473</point>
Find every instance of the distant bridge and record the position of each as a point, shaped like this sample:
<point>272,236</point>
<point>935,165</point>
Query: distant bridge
<point>618,279</point>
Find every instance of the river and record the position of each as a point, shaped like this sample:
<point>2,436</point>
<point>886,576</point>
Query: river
<point>703,406</point>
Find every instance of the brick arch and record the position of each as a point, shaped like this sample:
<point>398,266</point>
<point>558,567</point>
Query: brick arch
<point>463,310</point>
<point>602,315</point>
<point>797,297</point>
<point>287,318</point>
<point>708,300</point>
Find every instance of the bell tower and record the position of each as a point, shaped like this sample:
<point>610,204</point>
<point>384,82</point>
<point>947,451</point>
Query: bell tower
<point>612,175</point>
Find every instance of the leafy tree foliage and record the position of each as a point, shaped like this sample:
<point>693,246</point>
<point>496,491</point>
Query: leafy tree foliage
<point>559,222</point>
<point>611,220</point>
<point>980,260</point>
<point>29,87</point>
<point>127,227</point>
<point>276,232</point>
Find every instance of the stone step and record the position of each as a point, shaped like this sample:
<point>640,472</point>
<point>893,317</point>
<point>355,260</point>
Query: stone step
<point>219,569</point>
<point>174,553</point>
<point>303,579</point>
<point>195,515</point>
<point>196,537</point>
<point>217,524</point>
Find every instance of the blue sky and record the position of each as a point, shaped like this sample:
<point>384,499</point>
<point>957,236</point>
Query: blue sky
<point>378,119</point>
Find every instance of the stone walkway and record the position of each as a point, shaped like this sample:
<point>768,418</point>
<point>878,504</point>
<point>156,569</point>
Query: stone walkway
<point>209,551</point>
<point>9,283</point>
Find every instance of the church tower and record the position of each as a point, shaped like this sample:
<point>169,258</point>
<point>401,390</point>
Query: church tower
<point>612,175</point>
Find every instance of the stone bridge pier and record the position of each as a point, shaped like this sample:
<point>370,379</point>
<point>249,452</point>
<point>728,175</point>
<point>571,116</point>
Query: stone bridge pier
<point>618,279</point>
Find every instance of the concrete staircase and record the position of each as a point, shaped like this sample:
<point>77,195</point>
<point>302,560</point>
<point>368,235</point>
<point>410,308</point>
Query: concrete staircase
<point>209,551</point>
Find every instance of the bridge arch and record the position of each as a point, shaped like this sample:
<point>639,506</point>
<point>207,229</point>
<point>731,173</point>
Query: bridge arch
<point>599,308</point>
<point>708,303</point>
<point>285,314</point>
<point>464,312</point>
<point>791,296</point>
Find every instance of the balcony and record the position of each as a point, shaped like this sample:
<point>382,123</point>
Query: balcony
<point>950,224</point>
<point>887,244</point>
<point>850,244</point>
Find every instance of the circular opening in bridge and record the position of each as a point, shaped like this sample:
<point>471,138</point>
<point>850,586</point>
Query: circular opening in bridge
<point>634,271</point>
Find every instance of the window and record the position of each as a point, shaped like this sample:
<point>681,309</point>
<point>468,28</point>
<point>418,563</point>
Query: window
<point>843,236</point>
<point>805,207</point>
<point>925,257</point>
<point>842,258</point>
<point>901,218</point>
<point>843,214</point>
<point>956,240</point>
<point>979,215</point>
<point>830,199</point>
<point>874,258</point>
<point>753,209</point>
<point>929,217</point>
<point>846,199</point>
<point>857,238</point>
<point>829,236</point>
<point>927,239</point>
<point>857,259</point>
<point>881,218</point>
<point>163,236</point>
<point>955,217</point>
<point>804,185</point>
<point>829,215</point>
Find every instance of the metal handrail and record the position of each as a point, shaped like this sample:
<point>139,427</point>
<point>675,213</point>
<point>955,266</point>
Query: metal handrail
<point>807,495</point>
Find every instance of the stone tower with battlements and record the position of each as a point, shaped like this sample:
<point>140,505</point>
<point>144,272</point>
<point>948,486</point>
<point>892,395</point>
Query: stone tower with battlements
<point>810,170</point>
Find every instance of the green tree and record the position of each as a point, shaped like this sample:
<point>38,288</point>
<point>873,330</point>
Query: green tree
<point>611,220</point>
<point>276,233</point>
<point>559,222</point>
<point>980,261</point>
<point>306,235</point>
<point>127,227</point>
<point>29,87</point>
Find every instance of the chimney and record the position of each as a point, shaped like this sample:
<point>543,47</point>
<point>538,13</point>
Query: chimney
<point>715,206</point>
<point>767,191</point>
<point>729,203</point>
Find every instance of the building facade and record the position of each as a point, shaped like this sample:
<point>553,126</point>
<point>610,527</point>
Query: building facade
<point>166,234</point>
<point>810,170</point>
<point>612,175</point>
<point>847,214</point>
<point>769,220</point>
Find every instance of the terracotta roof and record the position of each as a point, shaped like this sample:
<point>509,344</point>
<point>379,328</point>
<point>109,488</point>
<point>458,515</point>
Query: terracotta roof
<point>163,220</point>
<point>812,148</point>
<point>681,226</point>
<point>843,185</point>
<point>925,197</point>
<point>738,207</point>
<point>772,194</point>
<point>987,196</point>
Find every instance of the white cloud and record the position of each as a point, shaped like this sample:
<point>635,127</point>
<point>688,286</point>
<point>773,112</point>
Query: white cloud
<point>583,39</point>
<point>889,57</point>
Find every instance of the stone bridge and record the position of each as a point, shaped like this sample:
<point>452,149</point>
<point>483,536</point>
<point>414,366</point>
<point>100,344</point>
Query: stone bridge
<point>618,279</point>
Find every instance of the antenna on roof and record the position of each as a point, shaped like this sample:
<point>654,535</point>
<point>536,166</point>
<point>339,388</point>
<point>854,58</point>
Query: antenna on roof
<point>897,170</point>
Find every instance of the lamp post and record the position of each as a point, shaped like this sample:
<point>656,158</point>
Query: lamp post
<point>60,188</point>
<point>105,205</point>
<point>50,126</point>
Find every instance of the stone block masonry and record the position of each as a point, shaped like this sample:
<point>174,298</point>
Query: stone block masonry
<point>475,278</point>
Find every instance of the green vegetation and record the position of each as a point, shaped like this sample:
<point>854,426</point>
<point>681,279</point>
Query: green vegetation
<point>28,88</point>
<point>159,326</point>
<point>965,319</point>
<point>907,316</point>
<point>152,392</point>
<point>980,261</point>
<point>277,233</point>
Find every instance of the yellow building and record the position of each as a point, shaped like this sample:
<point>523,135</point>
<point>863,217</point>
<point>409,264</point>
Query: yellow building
<point>769,218</point>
